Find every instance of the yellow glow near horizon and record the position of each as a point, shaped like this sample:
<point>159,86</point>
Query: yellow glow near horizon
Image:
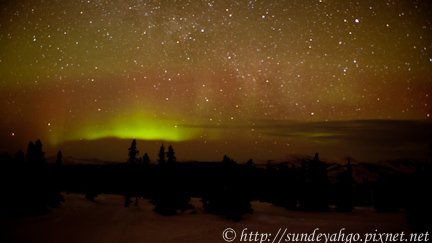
<point>137,126</point>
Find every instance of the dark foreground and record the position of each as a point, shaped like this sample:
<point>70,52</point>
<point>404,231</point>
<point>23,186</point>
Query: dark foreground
<point>106,220</point>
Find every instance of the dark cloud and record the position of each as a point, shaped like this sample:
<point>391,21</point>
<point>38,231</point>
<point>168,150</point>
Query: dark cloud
<point>371,132</point>
<point>364,139</point>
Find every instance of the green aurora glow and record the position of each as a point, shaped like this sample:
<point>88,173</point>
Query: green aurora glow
<point>136,126</point>
<point>200,71</point>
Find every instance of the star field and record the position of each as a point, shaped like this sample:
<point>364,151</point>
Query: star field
<point>150,69</point>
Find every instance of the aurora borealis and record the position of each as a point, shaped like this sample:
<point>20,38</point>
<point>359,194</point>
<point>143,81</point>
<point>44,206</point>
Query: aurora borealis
<point>210,72</point>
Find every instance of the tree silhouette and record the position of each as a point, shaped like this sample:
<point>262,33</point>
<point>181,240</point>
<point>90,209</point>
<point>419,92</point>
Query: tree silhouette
<point>40,155</point>
<point>35,155</point>
<point>59,158</point>
<point>344,198</point>
<point>129,180</point>
<point>419,203</point>
<point>228,197</point>
<point>314,185</point>
<point>161,155</point>
<point>133,152</point>
<point>19,157</point>
<point>250,163</point>
<point>227,160</point>
<point>36,192</point>
<point>31,153</point>
<point>171,155</point>
<point>145,159</point>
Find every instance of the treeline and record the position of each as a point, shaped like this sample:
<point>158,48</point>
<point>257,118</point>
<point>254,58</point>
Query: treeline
<point>30,185</point>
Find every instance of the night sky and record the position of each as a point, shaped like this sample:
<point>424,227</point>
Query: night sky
<point>218,75</point>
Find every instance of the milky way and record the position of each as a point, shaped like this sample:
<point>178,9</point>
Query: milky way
<point>169,70</point>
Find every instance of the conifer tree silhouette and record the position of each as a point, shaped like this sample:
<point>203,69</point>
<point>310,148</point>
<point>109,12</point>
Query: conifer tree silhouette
<point>133,152</point>
<point>161,155</point>
<point>30,154</point>
<point>250,163</point>
<point>314,185</point>
<point>19,157</point>
<point>39,154</point>
<point>35,155</point>
<point>171,155</point>
<point>227,160</point>
<point>145,159</point>
<point>344,200</point>
<point>59,158</point>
